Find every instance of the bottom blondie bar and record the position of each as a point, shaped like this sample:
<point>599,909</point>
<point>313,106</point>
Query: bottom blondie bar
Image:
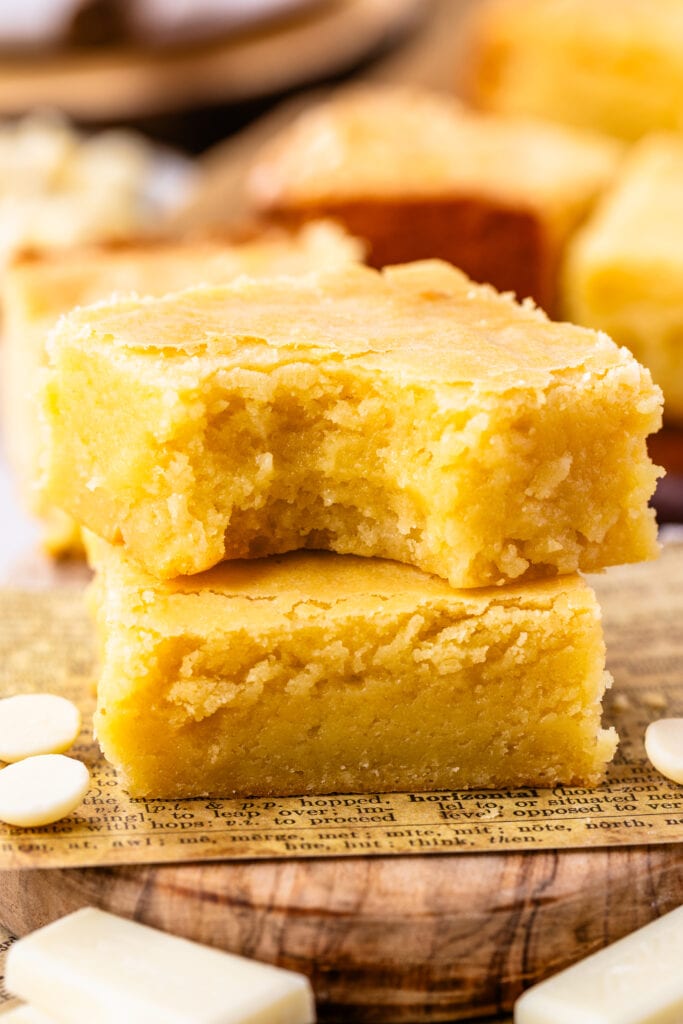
<point>316,672</point>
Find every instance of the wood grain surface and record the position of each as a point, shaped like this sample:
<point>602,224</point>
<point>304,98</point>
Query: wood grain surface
<point>401,939</point>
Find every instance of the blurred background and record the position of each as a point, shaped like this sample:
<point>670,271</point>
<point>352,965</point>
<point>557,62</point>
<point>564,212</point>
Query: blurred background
<point>192,73</point>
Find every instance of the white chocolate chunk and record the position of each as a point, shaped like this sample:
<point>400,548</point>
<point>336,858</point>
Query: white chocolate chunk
<point>36,723</point>
<point>26,1015</point>
<point>664,747</point>
<point>637,980</point>
<point>93,966</point>
<point>42,789</point>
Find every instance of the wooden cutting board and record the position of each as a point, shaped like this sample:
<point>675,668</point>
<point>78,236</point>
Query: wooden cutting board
<point>386,939</point>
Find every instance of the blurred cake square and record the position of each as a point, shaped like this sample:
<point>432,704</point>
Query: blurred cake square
<point>420,176</point>
<point>625,268</point>
<point>614,66</point>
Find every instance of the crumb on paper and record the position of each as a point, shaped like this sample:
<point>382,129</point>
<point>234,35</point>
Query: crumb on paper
<point>492,812</point>
<point>621,702</point>
<point>653,699</point>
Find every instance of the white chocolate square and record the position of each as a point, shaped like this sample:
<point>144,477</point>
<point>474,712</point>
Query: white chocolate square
<point>93,966</point>
<point>637,980</point>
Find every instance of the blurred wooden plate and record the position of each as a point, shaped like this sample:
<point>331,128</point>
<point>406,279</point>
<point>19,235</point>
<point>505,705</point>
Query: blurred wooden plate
<point>102,85</point>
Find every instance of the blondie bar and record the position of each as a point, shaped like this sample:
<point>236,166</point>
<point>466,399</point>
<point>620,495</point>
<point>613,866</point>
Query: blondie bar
<point>315,672</point>
<point>624,269</point>
<point>419,176</point>
<point>614,66</point>
<point>409,415</point>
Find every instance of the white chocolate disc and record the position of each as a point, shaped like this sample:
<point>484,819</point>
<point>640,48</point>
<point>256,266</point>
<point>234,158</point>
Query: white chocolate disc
<point>664,747</point>
<point>36,723</point>
<point>42,789</point>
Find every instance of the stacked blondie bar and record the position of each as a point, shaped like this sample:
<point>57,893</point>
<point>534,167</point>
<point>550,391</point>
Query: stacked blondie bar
<point>336,521</point>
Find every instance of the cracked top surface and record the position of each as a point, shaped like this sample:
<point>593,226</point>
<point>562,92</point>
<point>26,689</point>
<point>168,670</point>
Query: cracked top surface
<point>301,584</point>
<point>425,319</point>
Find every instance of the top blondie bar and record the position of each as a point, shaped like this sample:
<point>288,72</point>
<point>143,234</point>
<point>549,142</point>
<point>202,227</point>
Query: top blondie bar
<point>407,414</point>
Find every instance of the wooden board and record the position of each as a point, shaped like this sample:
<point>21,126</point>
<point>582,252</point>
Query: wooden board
<point>400,939</point>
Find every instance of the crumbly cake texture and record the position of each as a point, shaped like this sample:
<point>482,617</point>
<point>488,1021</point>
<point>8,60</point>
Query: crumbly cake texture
<point>408,415</point>
<point>315,672</point>
<point>39,288</point>
<point>624,269</point>
<point>420,176</point>
<point>615,66</point>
